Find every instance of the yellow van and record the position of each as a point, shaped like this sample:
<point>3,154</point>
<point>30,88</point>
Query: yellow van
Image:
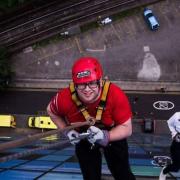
<point>7,121</point>
<point>43,122</point>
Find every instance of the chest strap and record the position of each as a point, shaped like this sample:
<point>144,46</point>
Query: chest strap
<point>81,106</point>
<point>102,103</point>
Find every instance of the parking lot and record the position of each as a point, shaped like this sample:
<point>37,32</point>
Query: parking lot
<point>127,49</point>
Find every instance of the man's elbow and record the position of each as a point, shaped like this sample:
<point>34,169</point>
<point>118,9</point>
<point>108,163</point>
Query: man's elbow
<point>129,128</point>
<point>48,109</point>
<point>129,133</point>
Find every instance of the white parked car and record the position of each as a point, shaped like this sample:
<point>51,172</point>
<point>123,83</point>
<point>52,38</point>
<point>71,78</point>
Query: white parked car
<point>150,19</point>
<point>106,21</point>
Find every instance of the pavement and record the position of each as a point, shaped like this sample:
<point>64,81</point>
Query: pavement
<point>132,55</point>
<point>145,157</point>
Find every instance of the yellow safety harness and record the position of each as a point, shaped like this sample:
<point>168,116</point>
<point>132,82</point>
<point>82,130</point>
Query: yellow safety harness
<point>83,109</point>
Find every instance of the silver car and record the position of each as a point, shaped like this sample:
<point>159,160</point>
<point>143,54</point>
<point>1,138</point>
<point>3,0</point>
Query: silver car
<point>150,19</point>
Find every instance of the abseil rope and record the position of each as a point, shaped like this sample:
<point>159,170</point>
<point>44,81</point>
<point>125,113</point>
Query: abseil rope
<point>31,151</point>
<point>30,138</point>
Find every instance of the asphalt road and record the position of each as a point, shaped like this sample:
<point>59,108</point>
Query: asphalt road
<point>127,49</point>
<point>158,106</point>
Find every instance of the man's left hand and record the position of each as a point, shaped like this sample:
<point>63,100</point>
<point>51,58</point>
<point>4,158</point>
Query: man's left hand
<point>99,136</point>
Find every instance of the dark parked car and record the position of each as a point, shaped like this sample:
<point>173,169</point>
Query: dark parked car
<point>150,19</point>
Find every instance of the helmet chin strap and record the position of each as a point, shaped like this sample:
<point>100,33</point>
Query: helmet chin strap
<point>93,100</point>
<point>99,93</point>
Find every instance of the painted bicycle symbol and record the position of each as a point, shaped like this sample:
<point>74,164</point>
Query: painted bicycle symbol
<point>161,161</point>
<point>163,105</point>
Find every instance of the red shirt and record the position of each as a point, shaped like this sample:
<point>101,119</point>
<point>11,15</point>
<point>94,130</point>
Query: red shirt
<point>117,109</point>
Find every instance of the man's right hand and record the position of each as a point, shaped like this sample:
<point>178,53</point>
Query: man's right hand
<point>73,135</point>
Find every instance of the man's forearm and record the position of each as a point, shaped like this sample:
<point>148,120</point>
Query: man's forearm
<point>121,131</point>
<point>58,121</point>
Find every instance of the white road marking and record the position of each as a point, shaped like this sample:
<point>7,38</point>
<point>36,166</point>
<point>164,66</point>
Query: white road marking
<point>97,50</point>
<point>151,69</point>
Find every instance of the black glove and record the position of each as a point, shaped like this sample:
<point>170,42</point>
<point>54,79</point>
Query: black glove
<point>177,137</point>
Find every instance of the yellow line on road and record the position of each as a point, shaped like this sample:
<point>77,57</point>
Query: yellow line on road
<point>115,31</point>
<point>54,53</point>
<point>78,45</point>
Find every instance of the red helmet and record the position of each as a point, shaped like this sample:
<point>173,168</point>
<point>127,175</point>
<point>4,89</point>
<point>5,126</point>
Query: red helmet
<point>86,69</point>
